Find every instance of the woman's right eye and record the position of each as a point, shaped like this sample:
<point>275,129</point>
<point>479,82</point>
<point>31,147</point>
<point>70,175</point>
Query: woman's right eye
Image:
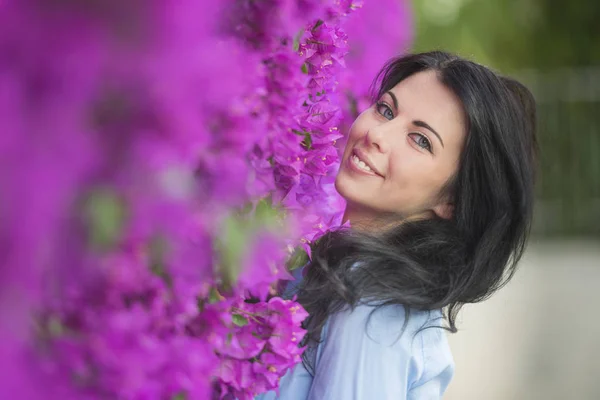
<point>384,110</point>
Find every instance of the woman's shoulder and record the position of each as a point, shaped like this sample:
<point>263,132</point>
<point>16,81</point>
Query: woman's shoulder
<point>390,323</point>
<point>414,340</point>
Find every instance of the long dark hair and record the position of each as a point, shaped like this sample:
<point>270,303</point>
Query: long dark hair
<point>442,263</point>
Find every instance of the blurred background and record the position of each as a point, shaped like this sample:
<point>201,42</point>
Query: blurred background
<point>539,337</point>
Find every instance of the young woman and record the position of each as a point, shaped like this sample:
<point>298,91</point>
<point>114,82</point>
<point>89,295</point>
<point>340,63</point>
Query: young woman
<point>438,177</point>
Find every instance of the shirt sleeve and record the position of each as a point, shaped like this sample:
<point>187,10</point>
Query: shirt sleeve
<point>438,366</point>
<point>367,355</point>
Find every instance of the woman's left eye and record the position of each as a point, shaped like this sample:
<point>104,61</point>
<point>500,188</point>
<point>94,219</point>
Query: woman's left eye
<point>385,111</point>
<point>421,141</point>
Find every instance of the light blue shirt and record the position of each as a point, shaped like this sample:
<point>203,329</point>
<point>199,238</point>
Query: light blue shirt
<point>364,355</point>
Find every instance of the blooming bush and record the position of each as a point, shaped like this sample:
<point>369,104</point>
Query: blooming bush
<point>159,160</point>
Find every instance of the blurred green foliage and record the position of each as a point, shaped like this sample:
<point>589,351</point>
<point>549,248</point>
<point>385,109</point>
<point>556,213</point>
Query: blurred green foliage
<point>512,34</point>
<point>237,233</point>
<point>553,47</point>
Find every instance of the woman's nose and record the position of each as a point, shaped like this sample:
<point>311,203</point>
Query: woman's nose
<point>376,138</point>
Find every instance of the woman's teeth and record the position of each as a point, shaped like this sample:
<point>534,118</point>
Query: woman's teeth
<point>360,164</point>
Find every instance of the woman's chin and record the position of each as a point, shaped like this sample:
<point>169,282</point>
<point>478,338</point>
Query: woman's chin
<point>343,184</point>
<point>352,192</point>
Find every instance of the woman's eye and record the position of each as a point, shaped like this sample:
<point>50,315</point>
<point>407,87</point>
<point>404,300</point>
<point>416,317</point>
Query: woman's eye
<point>421,141</point>
<point>385,111</point>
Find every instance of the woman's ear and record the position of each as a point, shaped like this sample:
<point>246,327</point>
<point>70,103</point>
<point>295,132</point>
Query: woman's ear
<point>444,210</point>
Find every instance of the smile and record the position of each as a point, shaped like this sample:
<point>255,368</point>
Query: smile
<point>358,164</point>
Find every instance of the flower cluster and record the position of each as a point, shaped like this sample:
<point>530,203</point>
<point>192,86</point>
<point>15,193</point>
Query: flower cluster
<point>301,145</point>
<point>268,334</point>
<point>158,160</point>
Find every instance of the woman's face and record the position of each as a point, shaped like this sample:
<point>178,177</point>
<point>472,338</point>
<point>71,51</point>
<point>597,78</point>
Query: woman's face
<point>402,150</point>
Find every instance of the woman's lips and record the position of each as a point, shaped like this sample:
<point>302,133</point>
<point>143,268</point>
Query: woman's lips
<point>359,162</point>
<point>359,166</point>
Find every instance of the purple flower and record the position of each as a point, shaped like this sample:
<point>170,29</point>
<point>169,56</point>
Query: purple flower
<point>264,263</point>
<point>127,141</point>
<point>367,51</point>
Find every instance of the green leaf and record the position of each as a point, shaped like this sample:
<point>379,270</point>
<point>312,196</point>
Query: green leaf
<point>238,232</point>
<point>245,209</point>
<point>265,213</point>
<point>297,39</point>
<point>105,214</point>
<point>232,246</point>
<point>214,296</point>
<point>298,259</point>
<point>179,396</point>
<point>307,142</point>
<point>239,320</point>
<point>304,68</point>
<point>317,24</point>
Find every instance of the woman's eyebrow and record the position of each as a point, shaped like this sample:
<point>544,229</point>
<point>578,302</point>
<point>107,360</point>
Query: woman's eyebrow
<point>423,124</point>
<point>394,99</point>
<point>420,123</point>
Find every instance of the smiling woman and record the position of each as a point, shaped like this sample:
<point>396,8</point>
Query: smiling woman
<point>408,161</point>
<point>438,177</point>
